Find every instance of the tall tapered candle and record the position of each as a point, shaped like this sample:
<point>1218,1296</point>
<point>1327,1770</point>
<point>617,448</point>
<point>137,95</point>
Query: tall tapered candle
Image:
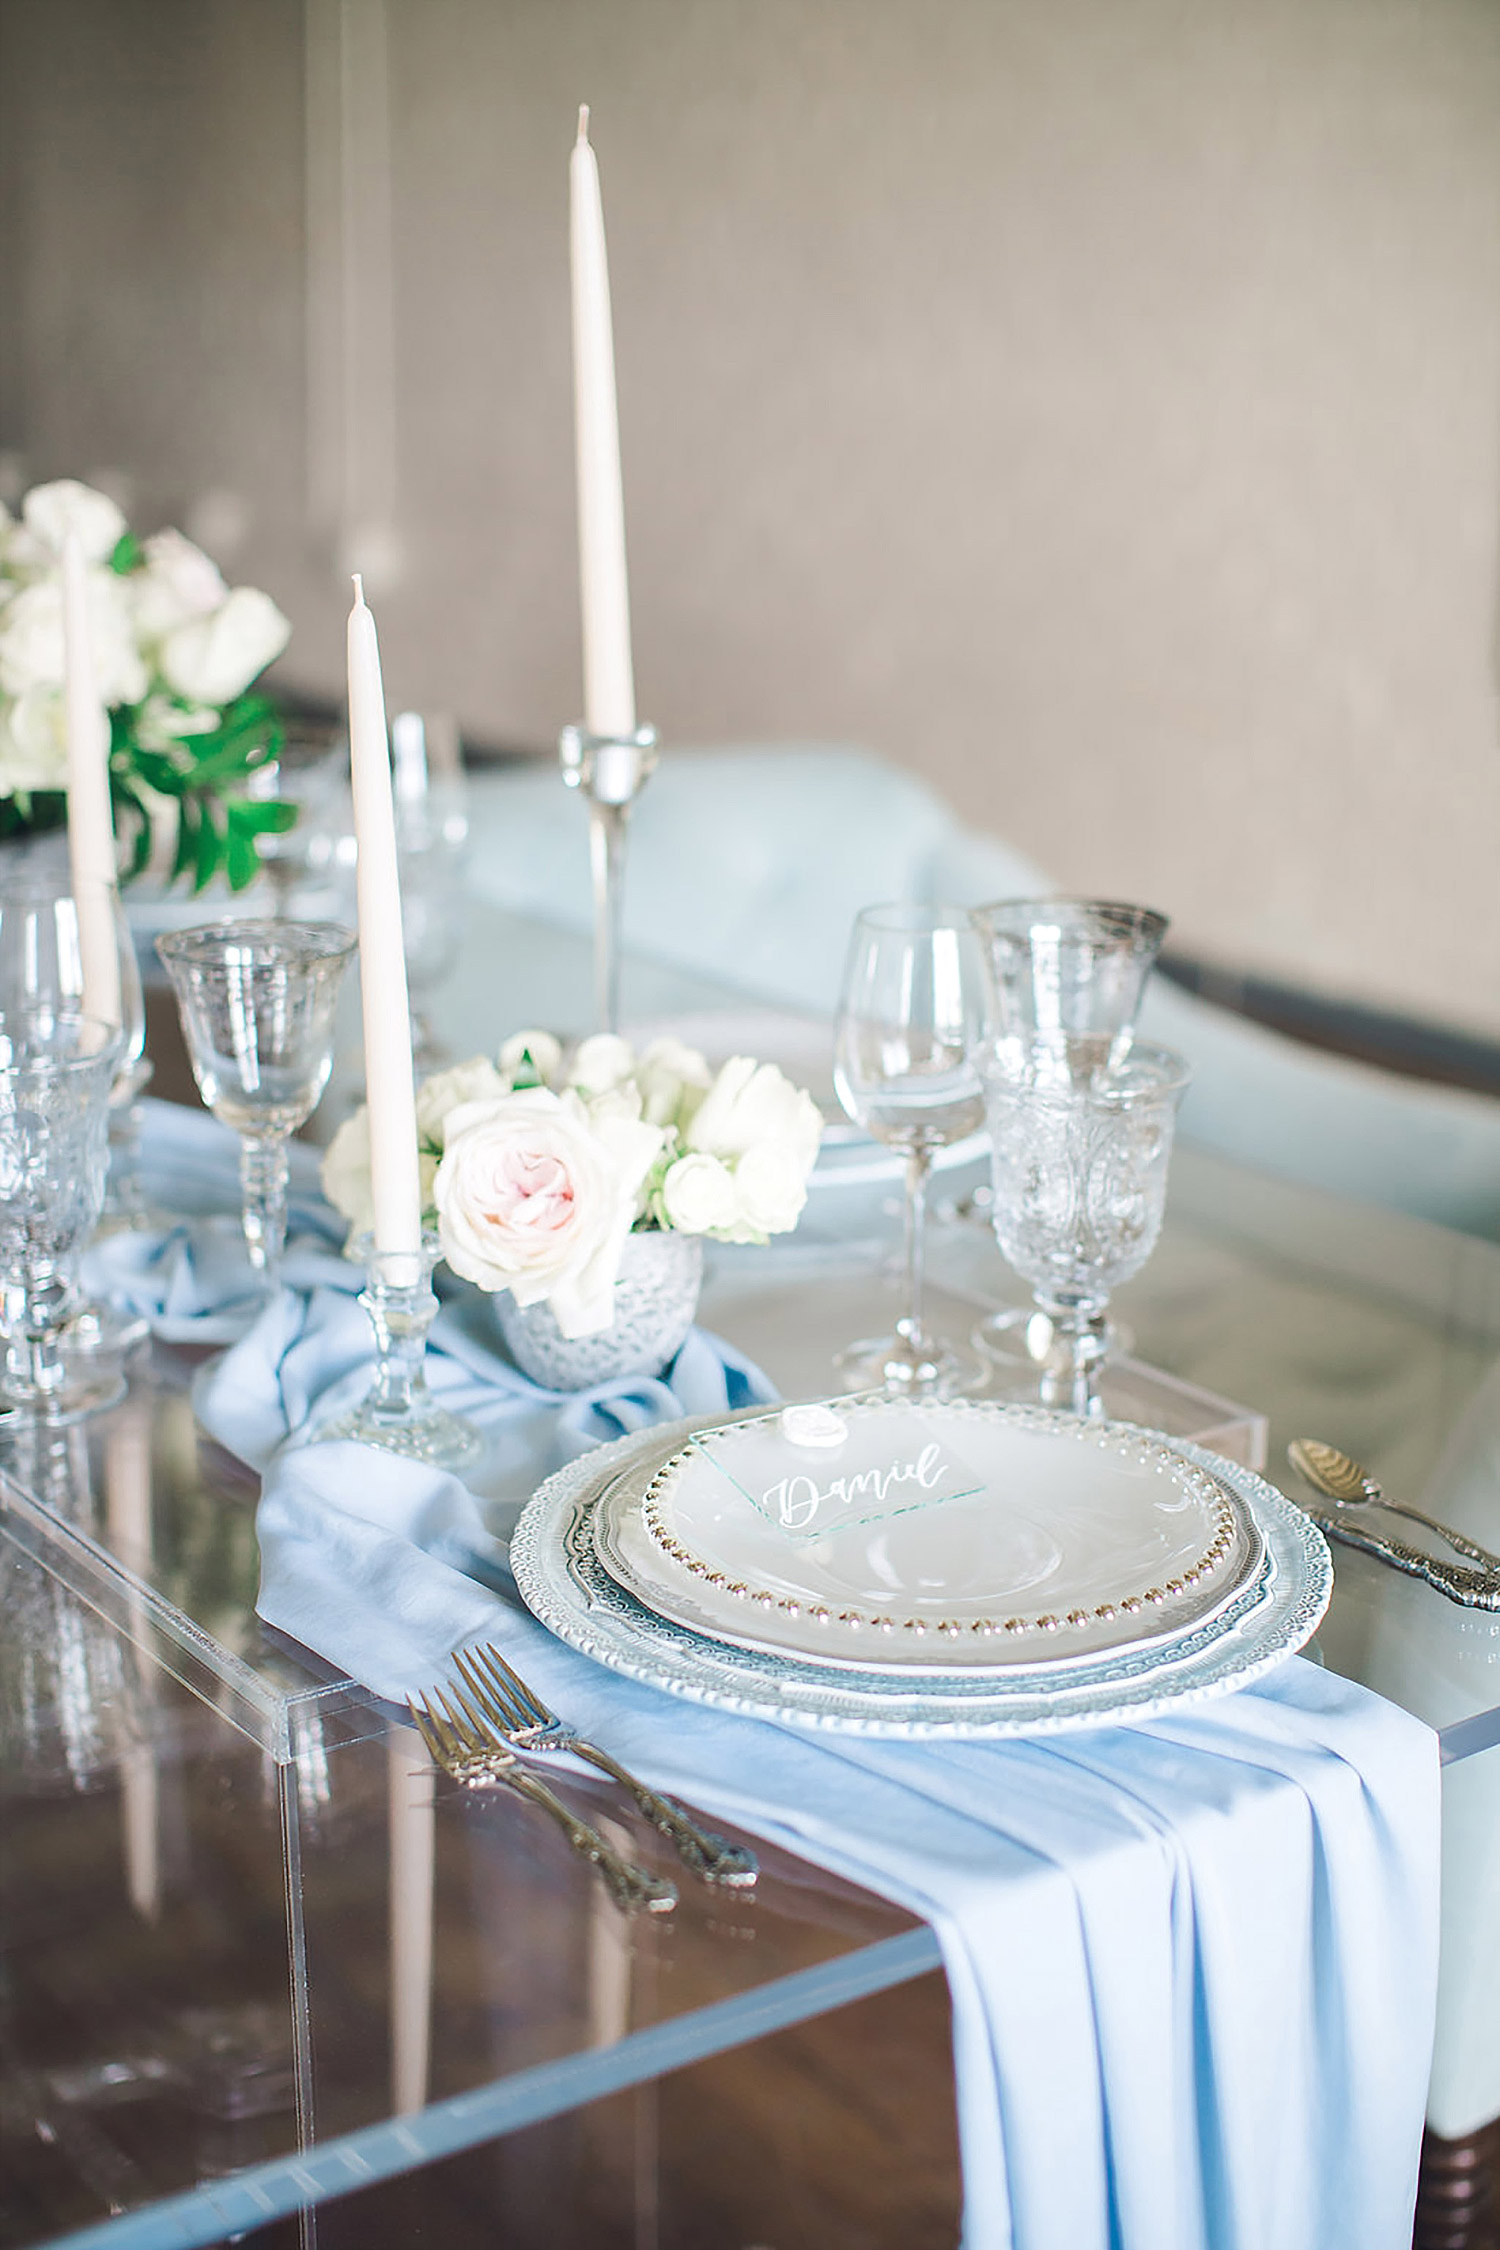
<point>91,828</point>
<point>608,676</point>
<point>389,1089</point>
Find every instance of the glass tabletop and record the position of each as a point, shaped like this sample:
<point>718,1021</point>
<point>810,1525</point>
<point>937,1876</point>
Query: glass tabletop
<point>199,1821</point>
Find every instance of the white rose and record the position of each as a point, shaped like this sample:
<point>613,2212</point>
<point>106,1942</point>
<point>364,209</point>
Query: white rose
<point>544,1051</point>
<point>51,511</point>
<point>668,1072</point>
<point>33,742</point>
<point>213,659</point>
<point>535,1196</point>
<point>770,1184</point>
<point>446,1090</point>
<point>698,1195</point>
<point>751,1102</point>
<point>601,1063</point>
<point>345,1173</point>
<point>179,582</point>
<point>31,639</point>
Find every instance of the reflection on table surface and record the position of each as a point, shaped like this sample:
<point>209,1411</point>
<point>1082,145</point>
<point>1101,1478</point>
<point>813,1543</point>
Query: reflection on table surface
<point>198,1820</point>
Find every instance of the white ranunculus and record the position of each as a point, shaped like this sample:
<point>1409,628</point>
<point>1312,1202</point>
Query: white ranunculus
<point>179,582</point>
<point>698,1195</point>
<point>445,1090</point>
<point>33,742</point>
<point>671,1078</point>
<point>536,1196</point>
<point>751,1102</point>
<point>602,1063</point>
<point>345,1172</point>
<point>31,639</point>
<point>770,1185</point>
<point>213,659</point>
<point>51,511</point>
<point>160,723</point>
<point>545,1053</point>
<point>346,1176</point>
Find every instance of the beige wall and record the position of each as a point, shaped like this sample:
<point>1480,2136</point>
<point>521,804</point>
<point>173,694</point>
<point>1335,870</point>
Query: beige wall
<point>1094,404</point>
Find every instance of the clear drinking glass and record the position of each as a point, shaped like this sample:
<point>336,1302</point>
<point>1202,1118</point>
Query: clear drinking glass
<point>1065,978</point>
<point>41,974</point>
<point>906,1069</point>
<point>1080,1183</point>
<point>56,1075</point>
<point>257,1001</point>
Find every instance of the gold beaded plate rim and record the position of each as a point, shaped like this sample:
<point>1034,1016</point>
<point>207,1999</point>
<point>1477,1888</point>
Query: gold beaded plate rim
<point>754,1617</point>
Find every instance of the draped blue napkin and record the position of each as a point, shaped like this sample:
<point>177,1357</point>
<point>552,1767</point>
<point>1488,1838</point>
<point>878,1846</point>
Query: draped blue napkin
<point>1192,1963</point>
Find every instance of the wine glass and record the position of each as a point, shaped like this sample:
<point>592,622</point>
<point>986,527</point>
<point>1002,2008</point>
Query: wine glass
<point>1065,978</point>
<point>1080,1183</point>
<point>905,1067</point>
<point>43,940</point>
<point>56,1073</point>
<point>257,1002</point>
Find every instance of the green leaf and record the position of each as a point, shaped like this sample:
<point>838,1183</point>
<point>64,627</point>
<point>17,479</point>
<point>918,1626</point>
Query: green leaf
<point>128,555</point>
<point>253,817</point>
<point>242,862</point>
<point>189,820</point>
<point>210,847</point>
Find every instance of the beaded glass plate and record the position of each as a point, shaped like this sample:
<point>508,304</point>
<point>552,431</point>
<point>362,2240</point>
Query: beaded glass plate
<point>928,1538</point>
<point>564,1583</point>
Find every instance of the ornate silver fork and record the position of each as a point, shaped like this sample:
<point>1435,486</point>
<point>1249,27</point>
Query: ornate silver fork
<point>527,1725</point>
<point>466,1747</point>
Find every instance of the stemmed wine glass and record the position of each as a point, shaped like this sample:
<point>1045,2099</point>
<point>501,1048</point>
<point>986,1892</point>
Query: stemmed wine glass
<point>257,1002</point>
<point>56,1072</point>
<point>1080,1175</point>
<point>905,1067</point>
<point>41,974</point>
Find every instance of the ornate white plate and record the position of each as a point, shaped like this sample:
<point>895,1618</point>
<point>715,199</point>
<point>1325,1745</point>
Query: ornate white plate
<point>567,1587</point>
<point>927,1539</point>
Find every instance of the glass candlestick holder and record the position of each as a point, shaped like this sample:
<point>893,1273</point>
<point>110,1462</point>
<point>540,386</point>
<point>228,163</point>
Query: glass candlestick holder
<point>398,1412</point>
<point>610,771</point>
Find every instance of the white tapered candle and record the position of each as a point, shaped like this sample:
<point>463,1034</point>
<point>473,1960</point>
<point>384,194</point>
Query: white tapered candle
<point>91,828</point>
<point>608,675</point>
<point>389,1087</point>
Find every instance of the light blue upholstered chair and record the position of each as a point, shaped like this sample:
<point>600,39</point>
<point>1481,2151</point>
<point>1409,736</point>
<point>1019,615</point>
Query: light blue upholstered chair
<point>749,865</point>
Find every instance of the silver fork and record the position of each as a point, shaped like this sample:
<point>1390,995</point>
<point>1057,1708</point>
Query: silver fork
<point>528,1726</point>
<point>467,1747</point>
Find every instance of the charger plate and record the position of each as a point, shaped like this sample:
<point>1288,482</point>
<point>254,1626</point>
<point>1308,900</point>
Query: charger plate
<point>931,1539</point>
<point>564,1583</point>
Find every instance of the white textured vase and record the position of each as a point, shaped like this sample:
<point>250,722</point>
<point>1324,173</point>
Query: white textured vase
<point>656,1297</point>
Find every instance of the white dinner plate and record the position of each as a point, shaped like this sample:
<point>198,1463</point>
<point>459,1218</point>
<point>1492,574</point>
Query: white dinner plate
<point>566,1586</point>
<point>931,1539</point>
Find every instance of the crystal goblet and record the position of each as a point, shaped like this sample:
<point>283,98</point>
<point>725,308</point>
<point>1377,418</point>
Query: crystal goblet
<point>56,1074</point>
<point>1080,1183</point>
<point>41,973</point>
<point>257,1002</point>
<point>1065,978</point>
<point>905,1067</point>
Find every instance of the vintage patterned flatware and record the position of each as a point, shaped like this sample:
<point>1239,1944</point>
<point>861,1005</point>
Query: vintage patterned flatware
<point>467,1747</point>
<point>528,1726</point>
<point>1343,1481</point>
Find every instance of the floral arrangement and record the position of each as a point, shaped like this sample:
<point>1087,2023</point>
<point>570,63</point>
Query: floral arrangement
<point>536,1167</point>
<point>174,652</point>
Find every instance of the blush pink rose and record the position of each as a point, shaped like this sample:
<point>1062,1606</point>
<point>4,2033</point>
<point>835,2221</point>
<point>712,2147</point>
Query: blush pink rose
<point>536,1196</point>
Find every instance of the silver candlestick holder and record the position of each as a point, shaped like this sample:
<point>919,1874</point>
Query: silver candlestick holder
<point>398,1412</point>
<point>611,771</point>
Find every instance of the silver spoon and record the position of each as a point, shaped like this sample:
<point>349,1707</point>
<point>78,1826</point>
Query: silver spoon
<point>1345,1483</point>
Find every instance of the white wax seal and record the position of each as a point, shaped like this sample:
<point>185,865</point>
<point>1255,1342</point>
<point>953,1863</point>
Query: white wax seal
<point>813,1425</point>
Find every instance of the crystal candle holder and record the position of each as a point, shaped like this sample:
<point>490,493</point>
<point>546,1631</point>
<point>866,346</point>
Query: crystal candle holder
<point>610,771</point>
<point>398,1412</point>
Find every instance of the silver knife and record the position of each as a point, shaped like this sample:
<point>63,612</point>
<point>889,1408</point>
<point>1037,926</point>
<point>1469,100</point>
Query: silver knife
<point>1472,1589</point>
